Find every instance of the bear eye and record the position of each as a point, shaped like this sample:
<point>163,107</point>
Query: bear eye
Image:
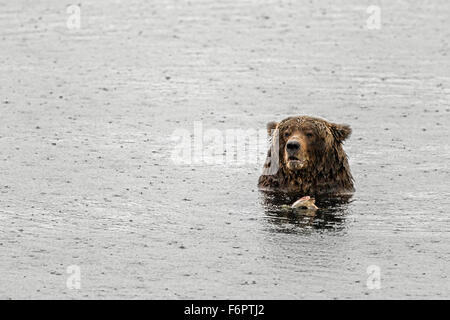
<point>286,134</point>
<point>309,134</point>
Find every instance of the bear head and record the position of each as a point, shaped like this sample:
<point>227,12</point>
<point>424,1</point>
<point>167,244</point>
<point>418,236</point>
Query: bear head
<point>311,155</point>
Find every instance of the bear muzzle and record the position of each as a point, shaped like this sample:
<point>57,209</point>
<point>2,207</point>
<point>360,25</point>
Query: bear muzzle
<point>293,155</point>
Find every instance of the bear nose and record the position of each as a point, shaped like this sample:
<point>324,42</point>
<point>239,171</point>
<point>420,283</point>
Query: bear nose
<point>293,145</point>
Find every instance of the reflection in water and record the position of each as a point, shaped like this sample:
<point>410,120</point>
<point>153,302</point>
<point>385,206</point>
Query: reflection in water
<point>330,216</point>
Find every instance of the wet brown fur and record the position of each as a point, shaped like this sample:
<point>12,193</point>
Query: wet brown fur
<point>326,170</point>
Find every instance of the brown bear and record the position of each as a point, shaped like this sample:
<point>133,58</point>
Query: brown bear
<point>310,158</point>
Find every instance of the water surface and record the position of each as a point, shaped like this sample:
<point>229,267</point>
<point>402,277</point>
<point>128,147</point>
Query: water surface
<point>85,149</point>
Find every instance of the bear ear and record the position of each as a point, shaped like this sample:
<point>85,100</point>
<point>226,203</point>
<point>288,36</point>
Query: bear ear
<point>272,125</point>
<point>340,131</point>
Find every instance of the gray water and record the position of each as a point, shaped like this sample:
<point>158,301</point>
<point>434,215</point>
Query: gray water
<point>86,175</point>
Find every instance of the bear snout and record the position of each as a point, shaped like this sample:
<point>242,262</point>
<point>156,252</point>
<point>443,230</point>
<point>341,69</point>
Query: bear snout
<point>292,147</point>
